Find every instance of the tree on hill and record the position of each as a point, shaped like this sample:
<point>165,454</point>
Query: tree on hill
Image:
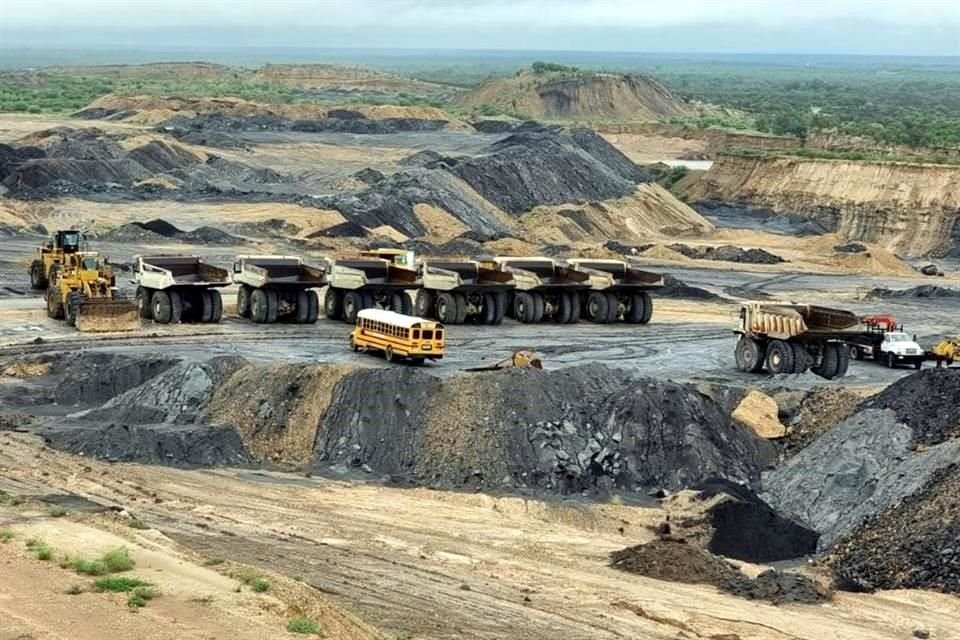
<point>548,67</point>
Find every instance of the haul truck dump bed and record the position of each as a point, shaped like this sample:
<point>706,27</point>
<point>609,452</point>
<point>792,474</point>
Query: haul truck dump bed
<point>795,338</point>
<point>618,292</point>
<point>371,280</point>
<point>172,289</point>
<point>455,291</point>
<point>544,289</point>
<point>277,288</point>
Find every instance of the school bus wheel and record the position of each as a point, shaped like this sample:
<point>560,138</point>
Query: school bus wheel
<point>353,345</point>
<point>388,353</point>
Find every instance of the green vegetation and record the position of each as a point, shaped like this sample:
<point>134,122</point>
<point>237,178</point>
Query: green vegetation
<point>852,156</point>
<point>303,625</point>
<point>140,596</point>
<point>85,567</point>
<point>137,523</point>
<point>6,536</point>
<point>259,585</point>
<point>9,500</point>
<point>41,549</point>
<point>552,67</point>
<point>212,562</point>
<point>74,590</point>
<point>57,511</point>
<point>671,177</point>
<point>116,584</point>
<point>114,561</point>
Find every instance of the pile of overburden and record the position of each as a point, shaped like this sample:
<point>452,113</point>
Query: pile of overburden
<point>88,161</point>
<point>728,253</point>
<point>923,291</point>
<point>676,288</point>
<point>536,165</point>
<point>676,560</point>
<point>158,231</point>
<point>887,451</point>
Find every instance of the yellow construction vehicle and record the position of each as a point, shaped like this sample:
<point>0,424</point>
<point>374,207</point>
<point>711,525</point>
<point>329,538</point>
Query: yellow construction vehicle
<point>946,352</point>
<point>519,360</point>
<point>50,257</point>
<point>83,292</point>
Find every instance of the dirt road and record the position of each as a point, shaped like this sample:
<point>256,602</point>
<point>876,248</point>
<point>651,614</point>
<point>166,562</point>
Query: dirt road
<point>432,564</point>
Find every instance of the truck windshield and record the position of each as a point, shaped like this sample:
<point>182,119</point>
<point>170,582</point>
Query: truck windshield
<point>897,337</point>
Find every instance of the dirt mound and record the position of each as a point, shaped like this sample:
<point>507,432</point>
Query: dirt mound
<point>676,561</point>
<point>818,411</point>
<point>160,231</point>
<point>760,412</point>
<point>865,464</point>
<point>577,96</point>
<point>927,402</point>
<point>727,253</point>
<point>914,544</point>
<point>168,444</point>
<point>132,232</point>
<point>86,161</point>
<point>674,288</point>
<point>661,252</point>
<point>923,291</point>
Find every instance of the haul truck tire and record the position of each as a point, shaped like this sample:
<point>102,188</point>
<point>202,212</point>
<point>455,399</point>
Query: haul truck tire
<point>613,308</point>
<point>167,307</point>
<point>369,300</point>
<point>523,307</point>
<point>489,309</point>
<point>538,306</point>
<point>500,300</point>
<point>748,355</point>
<point>423,305</point>
<point>217,303</point>
<point>564,310</point>
<point>143,298</point>
<point>801,359</point>
<point>644,305</point>
<point>830,362</point>
<point>333,304</point>
<point>243,301</point>
<point>302,310</point>
<point>206,306</point>
<point>447,308</point>
<point>259,304</point>
<point>779,357</point>
<point>597,307</point>
<point>273,305</point>
<point>352,304</point>
<point>461,307</point>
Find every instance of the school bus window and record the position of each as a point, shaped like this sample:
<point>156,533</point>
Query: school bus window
<point>439,334</point>
<point>427,334</point>
<point>416,334</point>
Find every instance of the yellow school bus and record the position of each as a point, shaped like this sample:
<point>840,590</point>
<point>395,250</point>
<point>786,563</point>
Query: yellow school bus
<point>397,336</point>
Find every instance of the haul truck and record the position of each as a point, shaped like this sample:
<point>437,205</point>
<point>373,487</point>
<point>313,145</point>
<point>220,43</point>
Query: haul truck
<point>376,279</point>
<point>618,292</point>
<point>544,289</point>
<point>173,289</point>
<point>794,338</point>
<point>276,288</point>
<point>455,291</point>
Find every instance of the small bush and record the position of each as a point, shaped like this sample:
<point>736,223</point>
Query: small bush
<point>118,584</point>
<point>259,585</point>
<point>88,567</point>
<point>118,560</point>
<point>57,511</point>
<point>41,549</point>
<point>6,536</point>
<point>212,562</point>
<point>137,523</point>
<point>140,596</point>
<point>303,625</point>
<point>75,590</point>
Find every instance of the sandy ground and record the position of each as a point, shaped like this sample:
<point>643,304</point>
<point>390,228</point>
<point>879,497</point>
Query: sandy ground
<point>648,149</point>
<point>423,563</point>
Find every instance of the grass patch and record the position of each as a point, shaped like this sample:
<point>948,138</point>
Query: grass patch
<point>118,584</point>
<point>74,590</point>
<point>137,523</point>
<point>303,625</point>
<point>41,549</point>
<point>117,560</point>
<point>212,562</point>
<point>87,567</point>
<point>56,511</point>
<point>6,536</point>
<point>259,585</point>
<point>140,596</point>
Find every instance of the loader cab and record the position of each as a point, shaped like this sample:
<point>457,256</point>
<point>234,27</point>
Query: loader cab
<point>67,241</point>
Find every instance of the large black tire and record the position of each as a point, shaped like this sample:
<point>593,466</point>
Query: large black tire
<point>565,310</point>
<point>143,298</point>
<point>217,302</point>
<point>829,363</point>
<point>259,306</point>
<point>647,307</point>
<point>523,307</point>
<point>461,307</point>
<point>857,352</point>
<point>613,308</point>
<point>843,360</point>
<point>369,301</point>
<point>396,301</point>
<point>352,304</point>
<point>748,355</point>
<point>891,361</point>
<point>204,311</point>
<point>917,364</point>
<point>637,308</point>
<point>38,279</point>
<point>54,304</point>
<point>801,359</point>
<point>779,358</point>
<point>597,307</point>
<point>423,305</point>
<point>333,304</point>
<point>388,354</point>
<point>302,313</point>
<point>577,303</point>
<point>447,308</point>
<point>273,305</point>
<point>161,307</point>
<point>243,301</point>
<point>538,306</point>
<point>489,313</point>
<point>313,302</point>
<point>72,307</point>
<point>501,300</point>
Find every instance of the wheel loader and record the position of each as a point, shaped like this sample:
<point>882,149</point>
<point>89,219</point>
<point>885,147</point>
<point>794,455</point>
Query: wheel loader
<point>946,352</point>
<point>50,257</point>
<point>83,292</point>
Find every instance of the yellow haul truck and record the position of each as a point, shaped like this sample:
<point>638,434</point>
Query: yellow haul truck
<point>618,292</point>
<point>544,289</point>
<point>174,289</point>
<point>83,292</point>
<point>376,279</point>
<point>276,288</point>
<point>458,291</point>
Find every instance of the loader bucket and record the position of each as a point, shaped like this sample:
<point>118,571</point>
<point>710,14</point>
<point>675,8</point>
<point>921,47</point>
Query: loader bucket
<point>108,315</point>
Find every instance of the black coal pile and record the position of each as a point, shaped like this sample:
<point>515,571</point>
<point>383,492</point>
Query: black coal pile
<point>928,402</point>
<point>12,157</point>
<point>923,291</point>
<point>89,161</point>
<point>368,176</point>
<point>343,230</point>
<point>914,544</point>
<point>159,231</point>
<point>496,126</point>
<point>738,216</point>
<point>850,247</point>
<point>540,165</point>
<point>625,249</point>
<point>676,288</point>
<point>747,528</point>
<point>675,560</point>
<point>728,253</point>
<point>884,452</point>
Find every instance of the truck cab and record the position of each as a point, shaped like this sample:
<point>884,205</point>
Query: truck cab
<point>900,348</point>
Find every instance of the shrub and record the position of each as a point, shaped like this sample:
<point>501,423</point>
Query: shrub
<point>259,585</point>
<point>303,625</point>
<point>118,584</point>
<point>6,536</point>
<point>88,567</point>
<point>56,511</point>
<point>140,596</point>
<point>74,590</point>
<point>118,560</point>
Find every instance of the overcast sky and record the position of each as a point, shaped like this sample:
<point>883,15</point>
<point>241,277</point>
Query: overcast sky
<point>919,27</point>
